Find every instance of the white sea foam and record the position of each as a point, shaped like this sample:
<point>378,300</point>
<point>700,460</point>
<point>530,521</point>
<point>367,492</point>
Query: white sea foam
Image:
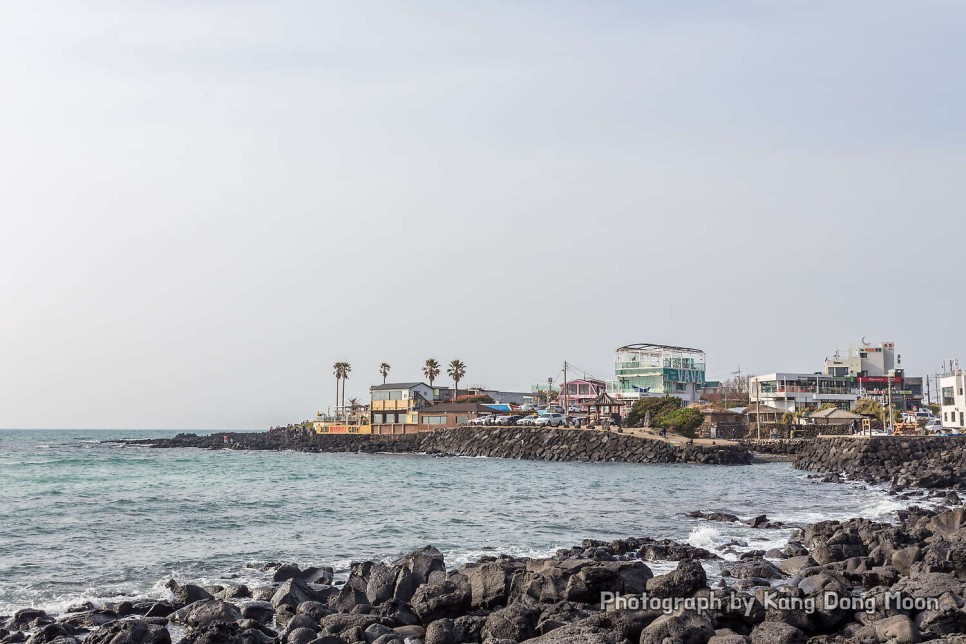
<point>705,536</point>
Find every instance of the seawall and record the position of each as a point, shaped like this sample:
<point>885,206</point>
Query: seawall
<point>905,460</point>
<point>525,443</point>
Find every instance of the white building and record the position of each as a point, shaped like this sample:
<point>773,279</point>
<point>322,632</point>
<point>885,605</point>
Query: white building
<point>866,360</point>
<point>795,391</point>
<point>646,370</point>
<point>953,400</point>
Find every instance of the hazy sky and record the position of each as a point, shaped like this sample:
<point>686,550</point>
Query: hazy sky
<point>204,204</point>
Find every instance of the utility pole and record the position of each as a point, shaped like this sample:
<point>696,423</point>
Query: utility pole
<point>565,392</point>
<point>758,407</point>
<point>892,421</point>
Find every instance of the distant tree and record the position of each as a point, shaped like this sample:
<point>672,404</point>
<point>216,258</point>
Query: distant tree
<point>827,405</point>
<point>354,403</point>
<point>683,421</point>
<point>456,371</point>
<point>384,370</point>
<point>653,405</point>
<point>337,372</point>
<point>935,409</point>
<point>346,368</point>
<point>431,370</point>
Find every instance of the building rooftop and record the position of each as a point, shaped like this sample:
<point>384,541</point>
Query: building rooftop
<point>457,407</point>
<point>397,385</point>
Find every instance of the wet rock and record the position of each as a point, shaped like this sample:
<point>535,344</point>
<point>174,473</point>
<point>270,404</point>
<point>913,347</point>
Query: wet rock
<point>182,595</point>
<point>29,618</point>
<point>777,633</point>
<point>516,622</point>
<point>206,612</point>
<point>295,591</point>
<point>135,631</point>
<point>683,626</point>
<point>260,611</point>
<point>755,568</point>
<point>714,516</point>
<point>439,600</point>
<point>683,581</point>
<point>898,629</point>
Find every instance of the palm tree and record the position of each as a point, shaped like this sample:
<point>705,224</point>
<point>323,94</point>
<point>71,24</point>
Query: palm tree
<point>346,368</point>
<point>431,370</point>
<point>354,403</point>
<point>456,371</point>
<point>384,370</point>
<point>337,372</point>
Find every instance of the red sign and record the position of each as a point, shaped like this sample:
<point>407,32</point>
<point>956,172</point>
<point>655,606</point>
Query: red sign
<point>882,379</point>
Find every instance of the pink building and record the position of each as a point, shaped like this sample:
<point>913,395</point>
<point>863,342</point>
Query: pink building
<point>580,392</point>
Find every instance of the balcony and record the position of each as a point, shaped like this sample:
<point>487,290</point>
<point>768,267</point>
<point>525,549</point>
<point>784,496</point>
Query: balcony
<point>389,405</point>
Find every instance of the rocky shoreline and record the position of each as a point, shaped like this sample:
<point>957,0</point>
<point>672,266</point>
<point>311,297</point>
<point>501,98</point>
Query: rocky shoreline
<point>525,443</point>
<point>904,461</point>
<point>850,581</point>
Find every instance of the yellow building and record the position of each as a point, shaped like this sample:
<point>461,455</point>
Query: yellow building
<point>394,406</point>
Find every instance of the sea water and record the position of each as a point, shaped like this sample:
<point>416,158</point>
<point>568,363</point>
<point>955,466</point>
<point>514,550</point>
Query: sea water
<point>83,519</point>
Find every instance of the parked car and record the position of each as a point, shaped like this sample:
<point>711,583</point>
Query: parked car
<point>527,420</point>
<point>551,420</point>
<point>493,419</point>
<point>511,420</point>
<point>479,420</point>
<point>933,426</point>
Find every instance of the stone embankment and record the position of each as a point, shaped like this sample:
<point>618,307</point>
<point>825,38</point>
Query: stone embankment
<point>907,461</point>
<point>918,461</point>
<point>524,443</point>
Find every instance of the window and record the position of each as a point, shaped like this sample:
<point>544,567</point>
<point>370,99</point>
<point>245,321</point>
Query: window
<point>681,386</point>
<point>462,420</point>
<point>380,395</point>
<point>960,419</point>
<point>433,420</point>
<point>948,398</point>
<point>395,394</point>
<point>378,419</point>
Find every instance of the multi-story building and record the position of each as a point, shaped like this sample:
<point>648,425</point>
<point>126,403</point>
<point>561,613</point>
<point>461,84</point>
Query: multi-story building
<point>394,406</point>
<point>866,360</point>
<point>642,370</point>
<point>953,400</point>
<point>796,391</point>
<point>580,392</point>
<point>876,369</point>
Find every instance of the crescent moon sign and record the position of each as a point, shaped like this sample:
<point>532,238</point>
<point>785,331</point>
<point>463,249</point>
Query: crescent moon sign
<point>864,343</point>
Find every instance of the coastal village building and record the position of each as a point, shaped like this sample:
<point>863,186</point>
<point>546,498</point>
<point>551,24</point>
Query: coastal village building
<point>796,391</point>
<point>866,360</point>
<point>643,370</point>
<point>876,368</point>
<point>449,415</point>
<point>394,406</point>
<point>952,388</point>
<point>580,392</point>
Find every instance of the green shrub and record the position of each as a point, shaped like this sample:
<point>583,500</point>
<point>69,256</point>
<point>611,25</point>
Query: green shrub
<point>657,408</point>
<point>682,421</point>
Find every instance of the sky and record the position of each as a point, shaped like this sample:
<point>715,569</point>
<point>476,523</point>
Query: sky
<point>205,204</point>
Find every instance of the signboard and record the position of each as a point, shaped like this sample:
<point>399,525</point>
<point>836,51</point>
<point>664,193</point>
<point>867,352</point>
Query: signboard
<point>882,379</point>
<point>684,375</point>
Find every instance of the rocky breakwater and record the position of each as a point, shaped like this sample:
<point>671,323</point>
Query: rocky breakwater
<point>849,581</point>
<point>526,443</point>
<point>548,444</point>
<point>927,462</point>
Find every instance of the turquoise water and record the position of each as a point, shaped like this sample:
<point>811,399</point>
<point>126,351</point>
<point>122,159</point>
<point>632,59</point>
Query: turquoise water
<point>82,519</point>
